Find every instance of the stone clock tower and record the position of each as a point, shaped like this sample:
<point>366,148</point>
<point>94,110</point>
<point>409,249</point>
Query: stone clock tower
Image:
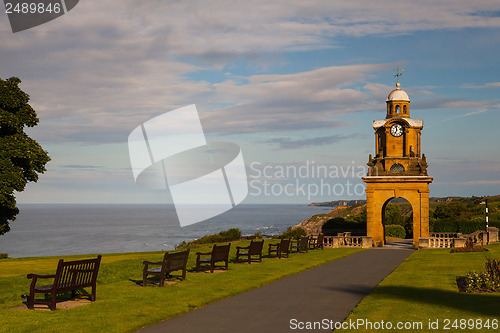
<point>398,170</point>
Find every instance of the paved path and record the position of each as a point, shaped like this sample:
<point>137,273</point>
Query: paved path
<point>329,291</point>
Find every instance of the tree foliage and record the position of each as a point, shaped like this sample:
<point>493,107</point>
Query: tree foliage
<point>448,211</point>
<point>393,215</point>
<point>21,158</point>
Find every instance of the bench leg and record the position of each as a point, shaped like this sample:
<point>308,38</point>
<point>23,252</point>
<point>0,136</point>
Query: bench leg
<point>92,296</point>
<point>31,300</point>
<point>52,305</point>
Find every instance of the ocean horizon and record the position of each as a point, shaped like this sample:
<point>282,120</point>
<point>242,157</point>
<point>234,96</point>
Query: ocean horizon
<point>70,229</point>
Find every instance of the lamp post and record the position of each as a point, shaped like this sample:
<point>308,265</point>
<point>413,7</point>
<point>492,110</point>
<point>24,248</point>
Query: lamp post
<point>485,202</point>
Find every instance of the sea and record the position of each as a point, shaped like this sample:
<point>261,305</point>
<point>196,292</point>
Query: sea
<point>69,229</point>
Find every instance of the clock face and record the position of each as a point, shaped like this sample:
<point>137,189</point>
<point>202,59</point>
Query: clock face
<point>397,130</point>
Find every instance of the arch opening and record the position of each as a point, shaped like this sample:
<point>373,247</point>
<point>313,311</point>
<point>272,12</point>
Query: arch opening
<point>397,213</point>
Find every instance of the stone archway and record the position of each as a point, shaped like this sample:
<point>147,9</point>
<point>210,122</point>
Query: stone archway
<point>385,221</point>
<point>380,190</point>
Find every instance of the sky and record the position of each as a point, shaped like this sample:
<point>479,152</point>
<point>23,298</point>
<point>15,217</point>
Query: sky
<point>295,84</point>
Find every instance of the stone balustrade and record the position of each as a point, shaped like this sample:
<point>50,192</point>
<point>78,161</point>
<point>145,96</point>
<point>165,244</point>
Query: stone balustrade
<point>346,240</point>
<point>445,235</point>
<point>449,240</point>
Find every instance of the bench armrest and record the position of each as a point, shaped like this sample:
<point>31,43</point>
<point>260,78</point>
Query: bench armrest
<point>145,262</point>
<point>242,247</point>
<point>36,276</point>
<point>203,253</point>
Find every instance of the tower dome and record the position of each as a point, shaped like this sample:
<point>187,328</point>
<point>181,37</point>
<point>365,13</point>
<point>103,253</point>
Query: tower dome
<point>398,104</point>
<point>398,95</point>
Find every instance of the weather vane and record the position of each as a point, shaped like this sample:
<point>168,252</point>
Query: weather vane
<point>399,73</point>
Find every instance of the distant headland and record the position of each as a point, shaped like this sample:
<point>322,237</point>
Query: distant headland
<point>347,203</point>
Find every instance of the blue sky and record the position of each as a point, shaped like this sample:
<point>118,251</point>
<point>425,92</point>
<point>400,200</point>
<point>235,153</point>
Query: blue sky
<point>293,83</point>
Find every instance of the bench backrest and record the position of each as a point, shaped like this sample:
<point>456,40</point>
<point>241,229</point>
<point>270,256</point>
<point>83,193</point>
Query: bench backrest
<point>303,242</point>
<point>176,260</point>
<point>77,273</point>
<point>255,247</point>
<point>285,244</point>
<point>321,238</point>
<point>220,252</point>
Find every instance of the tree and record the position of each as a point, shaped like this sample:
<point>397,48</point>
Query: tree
<point>393,214</point>
<point>21,158</point>
<point>449,211</point>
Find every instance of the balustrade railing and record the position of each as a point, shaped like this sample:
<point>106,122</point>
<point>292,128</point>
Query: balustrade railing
<point>343,240</point>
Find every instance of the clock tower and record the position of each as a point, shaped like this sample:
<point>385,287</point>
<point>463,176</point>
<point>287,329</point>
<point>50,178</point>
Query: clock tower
<point>398,169</point>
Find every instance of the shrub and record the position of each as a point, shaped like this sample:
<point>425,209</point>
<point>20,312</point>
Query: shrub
<point>394,230</point>
<point>493,268</point>
<point>223,236</point>
<point>257,235</point>
<point>230,235</point>
<point>488,281</point>
<point>4,255</point>
<point>333,223</point>
<point>480,282</point>
<point>294,233</point>
<point>340,224</point>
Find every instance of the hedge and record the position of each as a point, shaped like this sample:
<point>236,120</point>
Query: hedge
<point>395,230</point>
<point>462,226</point>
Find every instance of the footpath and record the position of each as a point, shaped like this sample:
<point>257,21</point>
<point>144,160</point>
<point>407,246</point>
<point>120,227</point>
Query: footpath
<point>330,292</point>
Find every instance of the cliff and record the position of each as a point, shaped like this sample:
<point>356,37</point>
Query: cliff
<point>338,203</point>
<point>313,224</point>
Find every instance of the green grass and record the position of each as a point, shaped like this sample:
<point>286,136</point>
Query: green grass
<point>123,306</point>
<point>424,288</point>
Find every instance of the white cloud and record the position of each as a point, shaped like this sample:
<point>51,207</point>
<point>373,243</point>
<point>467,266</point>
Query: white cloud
<point>104,67</point>
<point>482,86</point>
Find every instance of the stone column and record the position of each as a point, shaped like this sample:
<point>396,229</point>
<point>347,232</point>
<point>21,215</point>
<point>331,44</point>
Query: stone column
<point>374,227</point>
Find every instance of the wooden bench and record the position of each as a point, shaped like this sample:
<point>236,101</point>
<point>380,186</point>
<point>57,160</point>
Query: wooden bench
<point>281,249</point>
<point>219,253</point>
<point>172,261</point>
<point>254,249</point>
<point>300,245</point>
<point>317,242</point>
<point>69,276</point>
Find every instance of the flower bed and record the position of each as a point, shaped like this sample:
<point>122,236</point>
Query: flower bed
<point>483,282</point>
<point>469,247</point>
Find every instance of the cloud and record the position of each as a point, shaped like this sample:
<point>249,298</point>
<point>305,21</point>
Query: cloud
<point>483,86</point>
<point>454,103</point>
<point>106,66</point>
<point>480,182</point>
<point>298,101</point>
<point>289,143</point>
<point>81,166</point>
<point>473,113</point>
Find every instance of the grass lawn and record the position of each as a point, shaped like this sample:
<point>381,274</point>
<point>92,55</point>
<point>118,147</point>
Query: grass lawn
<point>423,288</point>
<point>123,306</point>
